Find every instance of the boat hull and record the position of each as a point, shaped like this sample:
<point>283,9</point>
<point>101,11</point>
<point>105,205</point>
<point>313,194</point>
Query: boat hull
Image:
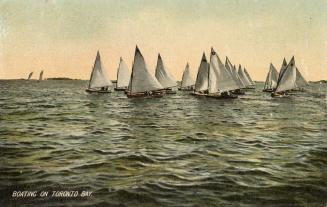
<point>238,92</point>
<point>215,96</point>
<point>97,91</point>
<point>145,95</point>
<point>120,89</point>
<point>268,90</point>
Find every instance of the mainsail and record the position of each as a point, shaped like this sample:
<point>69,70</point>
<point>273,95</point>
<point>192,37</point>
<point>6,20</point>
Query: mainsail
<point>222,81</point>
<point>163,75</point>
<point>282,70</point>
<point>98,77</point>
<point>41,75</point>
<point>123,74</point>
<point>272,77</point>
<point>243,77</point>
<point>187,79</point>
<point>249,77</point>
<point>141,79</point>
<point>30,76</point>
<point>288,79</point>
<point>233,73</point>
<point>201,83</point>
<point>300,81</point>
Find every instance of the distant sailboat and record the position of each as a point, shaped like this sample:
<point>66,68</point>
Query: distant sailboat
<point>164,77</point>
<point>291,80</point>
<point>142,84</point>
<point>30,76</point>
<point>187,81</point>
<point>98,81</point>
<point>41,76</point>
<point>123,76</point>
<point>219,81</point>
<point>271,80</point>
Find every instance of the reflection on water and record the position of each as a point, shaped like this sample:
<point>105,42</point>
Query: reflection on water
<point>179,150</point>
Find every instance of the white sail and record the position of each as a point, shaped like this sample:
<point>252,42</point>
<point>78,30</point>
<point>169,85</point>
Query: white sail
<point>282,70</point>
<point>98,77</point>
<point>238,77</point>
<point>249,77</point>
<point>30,76</point>
<point>187,79</point>
<point>223,80</point>
<point>300,81</point>
<point>163,75</point>
<point>288,79</point>
<point>272,77</point>
<point>243,77</point>
<point>201,83</point>
<point>41,75</point>
<point>233,73</point>
<point>141,79</point>
<point>123,74</point>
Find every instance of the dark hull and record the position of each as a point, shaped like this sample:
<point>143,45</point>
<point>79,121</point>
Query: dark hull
<point>215,96</point>
<point>267,90</point>
<point>144,95</point>
<point>238,92</point>
<point>120,89</point>
<point>96,91</point>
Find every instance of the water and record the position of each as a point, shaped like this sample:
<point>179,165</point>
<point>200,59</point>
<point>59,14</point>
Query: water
<point>179,150</point>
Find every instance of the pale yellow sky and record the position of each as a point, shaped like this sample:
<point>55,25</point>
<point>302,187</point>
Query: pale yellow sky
<point>62,37</point>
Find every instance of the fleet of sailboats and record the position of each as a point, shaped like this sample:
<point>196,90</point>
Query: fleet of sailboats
<point>214,79</point>
<point>99,81</point>
<point>289,79</point>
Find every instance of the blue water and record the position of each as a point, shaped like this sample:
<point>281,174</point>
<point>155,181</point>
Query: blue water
<point>179,150</point>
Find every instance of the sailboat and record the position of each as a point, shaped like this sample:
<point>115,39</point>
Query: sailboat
<point>142,84</point>
<point>167,81</point>
<point>41,76</point>
<point>219,82</point>
<point>300,81</point>
<point>271,80</point>
<point>235,76</point>
<point>99,82</point>
<point>123,76</point>
<point>30,76</point>
<point>187,82</point>
<point>291,79</point>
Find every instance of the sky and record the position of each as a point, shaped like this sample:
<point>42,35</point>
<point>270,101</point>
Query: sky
<point>62,37</point>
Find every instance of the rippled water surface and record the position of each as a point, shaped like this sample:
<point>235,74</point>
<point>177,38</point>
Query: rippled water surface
<point>179,150</point>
